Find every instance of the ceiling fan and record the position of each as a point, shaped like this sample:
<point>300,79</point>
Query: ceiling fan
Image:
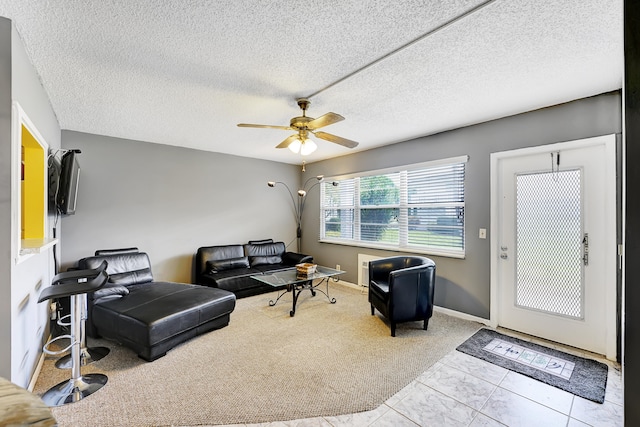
<point>303,125</point>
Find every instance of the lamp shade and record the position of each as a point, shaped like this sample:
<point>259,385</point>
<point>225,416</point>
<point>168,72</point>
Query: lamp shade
<point>308,147</point>
<point>295,146</point>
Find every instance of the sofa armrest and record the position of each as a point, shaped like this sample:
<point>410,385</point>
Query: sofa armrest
<point>293,258</point>
<point>206,279</point>
<point>110,291</point>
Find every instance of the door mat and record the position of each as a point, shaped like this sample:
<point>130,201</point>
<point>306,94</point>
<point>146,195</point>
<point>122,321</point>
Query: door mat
<point>583,377</point>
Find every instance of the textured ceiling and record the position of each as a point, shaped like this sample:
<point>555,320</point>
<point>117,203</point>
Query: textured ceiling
<point>186,72</point>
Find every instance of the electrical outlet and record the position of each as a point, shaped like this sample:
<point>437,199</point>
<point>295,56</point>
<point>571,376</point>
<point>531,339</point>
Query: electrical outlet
<point>483,233</point>
<point>337,266</point>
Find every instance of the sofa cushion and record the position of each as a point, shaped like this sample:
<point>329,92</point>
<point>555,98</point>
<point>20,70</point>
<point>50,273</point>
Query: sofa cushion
<point>216,253</point>
<point>131,277</point>
<point>233,280</point>
<point>260,242</point>
<point>227,264</point>
<point>261,260</point>
<point>272,268</point>
<point>124,269</point>
<point>264,249</point>
<point>224,252</point>
<point>265,253</point>
<point>117,251</point>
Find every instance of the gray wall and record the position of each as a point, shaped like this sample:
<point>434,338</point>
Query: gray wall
<point>463,284</point>
<point>169,201</point>
<point>24,324</point>
<point>5,196</point>
<point>30,328</point>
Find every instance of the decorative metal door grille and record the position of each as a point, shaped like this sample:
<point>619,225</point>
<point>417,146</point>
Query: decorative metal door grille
<point>549,242</point>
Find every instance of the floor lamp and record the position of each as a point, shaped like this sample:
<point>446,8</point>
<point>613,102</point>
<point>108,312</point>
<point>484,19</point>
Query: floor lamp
<point>298,204</point>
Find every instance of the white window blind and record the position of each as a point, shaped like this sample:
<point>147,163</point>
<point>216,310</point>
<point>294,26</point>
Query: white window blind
<point>418,209</point>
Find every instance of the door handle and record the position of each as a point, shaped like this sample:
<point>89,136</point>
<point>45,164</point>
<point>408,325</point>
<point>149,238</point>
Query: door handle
<point>585,249</point>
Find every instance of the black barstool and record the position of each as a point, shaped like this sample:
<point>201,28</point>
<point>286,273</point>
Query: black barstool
<point>87,354</point>
<point>79,386</point>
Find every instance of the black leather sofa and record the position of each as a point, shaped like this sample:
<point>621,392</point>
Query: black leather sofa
<point>230,267</point>
<point>147,316</point>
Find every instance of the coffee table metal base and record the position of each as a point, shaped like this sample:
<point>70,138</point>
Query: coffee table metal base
<point>297,288</point>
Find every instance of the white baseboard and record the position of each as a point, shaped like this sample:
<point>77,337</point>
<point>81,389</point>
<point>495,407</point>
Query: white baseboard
<point>36,372</point>
<point>447,311</point>
<point>350,285</point>
<point>461,315</point>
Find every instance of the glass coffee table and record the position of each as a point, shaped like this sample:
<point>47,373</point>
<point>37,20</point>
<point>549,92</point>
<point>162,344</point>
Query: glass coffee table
<point>296,283</point>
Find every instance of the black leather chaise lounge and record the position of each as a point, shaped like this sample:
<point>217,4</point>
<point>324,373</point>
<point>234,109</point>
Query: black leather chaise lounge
<point>147,316</point>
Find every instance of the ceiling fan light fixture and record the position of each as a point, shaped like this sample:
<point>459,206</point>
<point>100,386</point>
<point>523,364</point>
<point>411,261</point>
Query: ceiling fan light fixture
<point>295,146</point>
<point>308,147</point>
<point>299,142</point>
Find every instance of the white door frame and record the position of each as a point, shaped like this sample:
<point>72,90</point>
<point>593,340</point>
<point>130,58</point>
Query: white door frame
<point>609,142</point>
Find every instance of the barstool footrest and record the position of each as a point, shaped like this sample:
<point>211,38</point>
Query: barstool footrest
<point>57,352</point>
<point>61,322</point>
<point>87,355</point>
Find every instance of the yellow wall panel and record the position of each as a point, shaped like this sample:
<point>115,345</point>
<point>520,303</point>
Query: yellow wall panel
<point>33,187</point>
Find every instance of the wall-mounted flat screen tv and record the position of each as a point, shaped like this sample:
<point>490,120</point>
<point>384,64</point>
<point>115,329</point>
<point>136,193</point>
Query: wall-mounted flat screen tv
<point>68,183</point>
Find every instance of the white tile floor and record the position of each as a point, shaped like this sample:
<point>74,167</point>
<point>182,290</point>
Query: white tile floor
<point>461,390</point>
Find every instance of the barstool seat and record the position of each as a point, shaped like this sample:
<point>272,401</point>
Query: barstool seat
<point>87,354</point>
<point>79,386</point>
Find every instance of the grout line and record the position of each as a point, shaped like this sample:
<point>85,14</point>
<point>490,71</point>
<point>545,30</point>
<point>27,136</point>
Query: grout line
<point>389,408</point>
<point>573,401</point>
<point>540,403</point>
<point>401,414</point>
<point>499,385</point>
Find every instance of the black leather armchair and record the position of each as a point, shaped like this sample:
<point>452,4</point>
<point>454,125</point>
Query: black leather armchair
<point>402,288</point>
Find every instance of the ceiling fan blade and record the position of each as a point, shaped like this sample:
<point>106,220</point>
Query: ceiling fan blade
<point>325,120</point>
<point>336,139</point>
<point>287,142</point>
<point>250,125</point>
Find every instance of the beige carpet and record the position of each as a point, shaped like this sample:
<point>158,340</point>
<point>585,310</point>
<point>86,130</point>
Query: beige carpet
<point>330,359</point>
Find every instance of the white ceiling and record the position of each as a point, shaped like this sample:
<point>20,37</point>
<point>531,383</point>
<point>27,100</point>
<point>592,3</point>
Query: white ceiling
<point>185,73</point>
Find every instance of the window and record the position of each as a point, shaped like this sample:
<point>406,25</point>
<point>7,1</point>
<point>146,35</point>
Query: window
<point>418,208</point>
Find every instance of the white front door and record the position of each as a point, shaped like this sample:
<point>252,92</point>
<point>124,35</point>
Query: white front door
<point>555,242</point>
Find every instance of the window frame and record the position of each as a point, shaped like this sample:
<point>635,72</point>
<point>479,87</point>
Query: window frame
<point>403,207</point>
